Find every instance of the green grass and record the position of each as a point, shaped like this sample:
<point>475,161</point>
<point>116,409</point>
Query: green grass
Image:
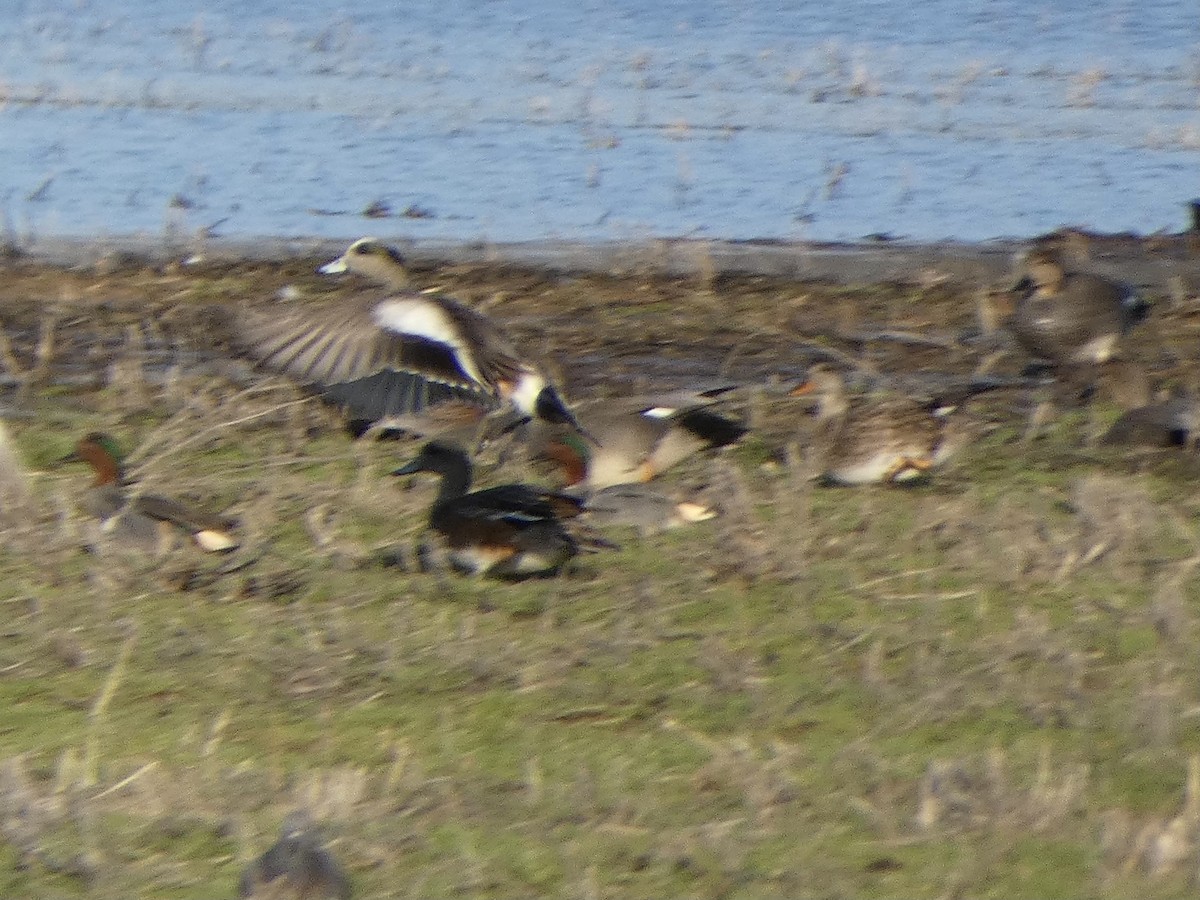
<point>944,690</point>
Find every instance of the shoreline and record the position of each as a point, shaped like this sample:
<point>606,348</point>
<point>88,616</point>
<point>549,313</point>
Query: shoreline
<point>1151,261</point>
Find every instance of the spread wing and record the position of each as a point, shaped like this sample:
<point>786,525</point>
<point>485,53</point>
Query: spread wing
<point>405,400</point>
<point>397,356</point>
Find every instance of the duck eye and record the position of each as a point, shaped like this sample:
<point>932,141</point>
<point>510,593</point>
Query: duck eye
<point>364,249</point>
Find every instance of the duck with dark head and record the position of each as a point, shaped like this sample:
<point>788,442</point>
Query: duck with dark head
<point>146,522</point>
<point>508,531</point>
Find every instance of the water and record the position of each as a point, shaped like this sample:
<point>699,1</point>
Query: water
<point>509,120</point>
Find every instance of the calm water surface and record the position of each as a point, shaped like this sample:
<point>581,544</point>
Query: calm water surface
<point>511,120</point>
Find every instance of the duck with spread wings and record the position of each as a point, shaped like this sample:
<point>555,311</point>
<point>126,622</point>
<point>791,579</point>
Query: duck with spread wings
<point>403,360</point>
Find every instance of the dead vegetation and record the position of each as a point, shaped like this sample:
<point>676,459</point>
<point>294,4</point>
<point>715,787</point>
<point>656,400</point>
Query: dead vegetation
<point>981,685</point>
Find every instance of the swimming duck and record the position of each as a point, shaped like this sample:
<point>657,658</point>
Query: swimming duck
<point>386,360</point>
<point>295,866</point>
<point>144,521</point>
<point>1071,317</point>
<point>509,531</point>
<point>877,439</point>
<point>631,445</point>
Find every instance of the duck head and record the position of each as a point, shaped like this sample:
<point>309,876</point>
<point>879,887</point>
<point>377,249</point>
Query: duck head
<point>371,258</point>
<point>100,452</point>
<point>449,461</point>
<point>1042,270</point>
<point>828,387</point>
<point>570,453</point>
<point>533,397</point>
<point>437,457</point>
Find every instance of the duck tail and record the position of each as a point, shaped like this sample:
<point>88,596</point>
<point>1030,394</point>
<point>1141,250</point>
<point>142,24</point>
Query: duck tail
<point>715,429</point>
<point>588,540</point>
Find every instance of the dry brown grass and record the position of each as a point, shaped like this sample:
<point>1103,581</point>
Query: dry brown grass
<point>980,686</point>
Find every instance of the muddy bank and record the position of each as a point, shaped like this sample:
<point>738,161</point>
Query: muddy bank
<point>611,318</point>
<point>1152,261</point>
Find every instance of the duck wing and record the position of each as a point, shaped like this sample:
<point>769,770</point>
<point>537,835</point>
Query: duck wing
<point>211,531</point>
<point>405,400</point>
<point>342,344</point>
<point>167,510</point>
<point>445,340</point>
<point>394,356</point>
<point>519,505</point>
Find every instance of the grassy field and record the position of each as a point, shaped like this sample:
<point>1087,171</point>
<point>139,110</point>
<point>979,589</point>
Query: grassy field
<point>985,686</point>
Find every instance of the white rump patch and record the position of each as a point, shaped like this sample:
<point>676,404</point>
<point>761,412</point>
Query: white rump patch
<point>214,541</point>
<point>425,319</point>
<point>524,396</point>
<point>1098,349</point>
<point>693,512</point>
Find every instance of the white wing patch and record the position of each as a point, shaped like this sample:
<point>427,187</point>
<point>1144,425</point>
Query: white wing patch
<point>425,319</point>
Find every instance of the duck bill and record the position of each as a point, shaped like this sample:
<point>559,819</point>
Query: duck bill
<point>411,468</point>
<point>549,407</point>
<point>1022,285</point>
<point>334,266</point>
<point>72,457</point>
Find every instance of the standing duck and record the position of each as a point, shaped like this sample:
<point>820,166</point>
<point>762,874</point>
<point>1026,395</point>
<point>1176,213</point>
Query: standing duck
<point>385,361</point>
<point>877,439</point>
<point>509,531</point>
<point>1069,317</point>
<point>144,522</point>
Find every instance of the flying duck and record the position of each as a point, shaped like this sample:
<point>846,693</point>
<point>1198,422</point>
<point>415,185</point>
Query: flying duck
<point>386,360</point>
